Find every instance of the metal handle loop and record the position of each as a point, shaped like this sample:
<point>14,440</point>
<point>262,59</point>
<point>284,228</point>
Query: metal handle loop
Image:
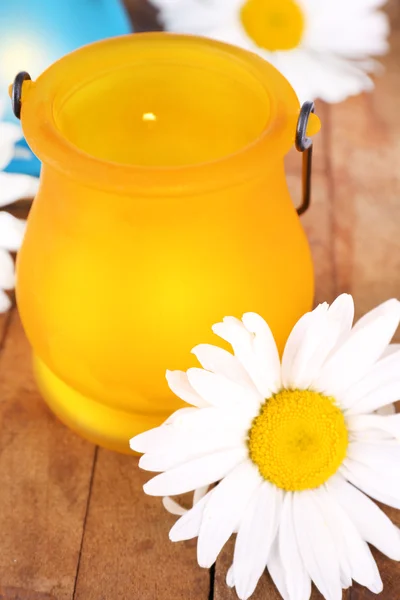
<point>16,93</point>
<point>304,144</point>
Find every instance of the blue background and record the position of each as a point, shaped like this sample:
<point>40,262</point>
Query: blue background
<point>61,26</point>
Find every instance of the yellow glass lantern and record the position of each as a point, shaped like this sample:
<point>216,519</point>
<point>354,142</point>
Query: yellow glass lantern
<point>162,207</point>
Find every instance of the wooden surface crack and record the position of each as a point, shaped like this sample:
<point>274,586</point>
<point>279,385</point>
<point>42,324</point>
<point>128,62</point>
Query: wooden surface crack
<point>85,518</point>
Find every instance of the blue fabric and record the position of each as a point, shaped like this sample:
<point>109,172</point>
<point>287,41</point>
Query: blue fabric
<point>58,27</point>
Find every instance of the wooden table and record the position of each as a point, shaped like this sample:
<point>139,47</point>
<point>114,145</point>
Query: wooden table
<point>74,522</point>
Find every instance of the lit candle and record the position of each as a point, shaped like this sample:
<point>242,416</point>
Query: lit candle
<point>163,206</point>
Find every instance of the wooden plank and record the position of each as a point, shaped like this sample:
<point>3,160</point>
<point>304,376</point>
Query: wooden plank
<point>365,158</point>
<point>126,551</point>
<point>45,471</point>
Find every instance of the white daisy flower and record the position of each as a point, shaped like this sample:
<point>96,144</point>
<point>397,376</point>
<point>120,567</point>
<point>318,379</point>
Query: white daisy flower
<point>323,47</point>
<point>13,186</point>
<point>296,446</point>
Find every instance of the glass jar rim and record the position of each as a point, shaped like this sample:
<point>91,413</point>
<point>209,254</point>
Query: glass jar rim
<point>82,66</point>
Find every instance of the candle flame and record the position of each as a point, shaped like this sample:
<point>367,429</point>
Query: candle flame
<point>149,116</point>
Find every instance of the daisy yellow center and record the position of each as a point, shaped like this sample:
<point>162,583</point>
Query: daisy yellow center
<point>299,439</point>
<point>273,24</point>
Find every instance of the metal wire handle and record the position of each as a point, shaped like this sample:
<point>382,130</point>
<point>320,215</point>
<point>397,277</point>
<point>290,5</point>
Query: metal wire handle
<point>304,144</point>
<point>17,92</point>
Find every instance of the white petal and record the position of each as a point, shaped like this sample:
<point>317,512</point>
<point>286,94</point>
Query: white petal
<point>342,312</point>
<point>5,302</point>
<point>390,424</point>
<point>266,355</point>
<point>376,399</point>
<point>298,581</point>
<point>373,436</point>
<point>363,32</point>
<point>179,414</point>
<point>9,135</point>
<point>371,483</point>
<point>188,16</point>
<point>233,331</point>
<point>194,421</point>
<point>315,75</point>
<point>276,570</point>
<point>372,523</point>
<point>328,336</point>
<point>224,510</point>
<point>251,356</point>
<point>192,434</point>
<point>179,384</point>
<point>325,329</point>
<point>209,418</point>
<point>331,521</point>
<point>223,393</point>
<point>173,507</point>
<point>359,352</point>
<point>221,362</point>
<point>199,494</point>
<point>7,271</point>
<point>323,338</point>
<point>188,526</point>
<point>391,349</point>
<point>316,546</point>
<point>188,427</point>
<point>257,531</point>
<point>353,553</point>
<point>12,231</point>
<point>13,187</point>
<point>385,411</point>
<point>230,581</point>
<point>379,387</point>
<point>330,517</point>
<point>388,307</point>
<point>153,439</point>
<point>380,456</point>
<point>195,473</point>
<point>337,78</point>
<point>294,346</point>
<point>187,445</point>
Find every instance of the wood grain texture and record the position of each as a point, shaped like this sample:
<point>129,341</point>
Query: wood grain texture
<point>126,553</point>
<point>44,482</point>
<point>364,151</point>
